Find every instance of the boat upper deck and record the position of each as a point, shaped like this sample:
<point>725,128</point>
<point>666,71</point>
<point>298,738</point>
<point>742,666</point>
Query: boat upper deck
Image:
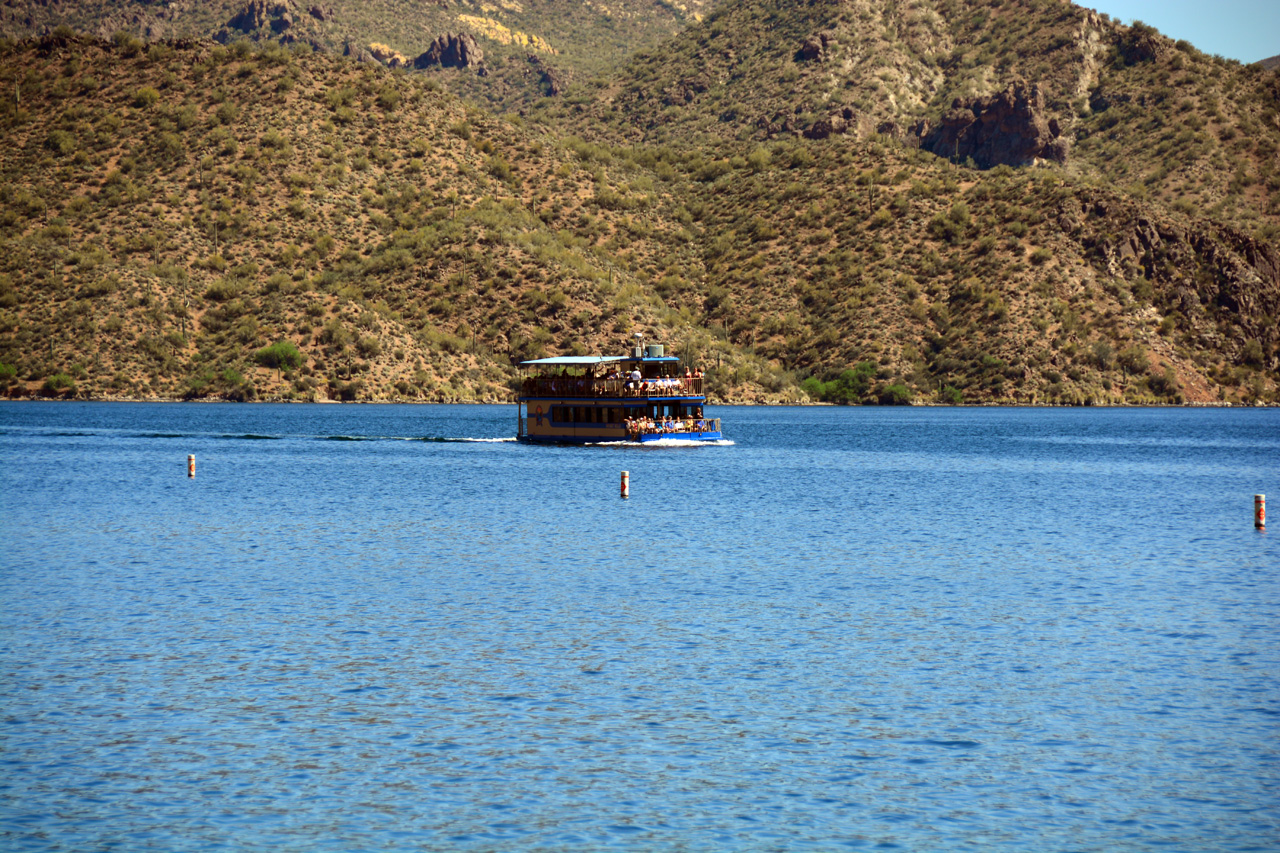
<point>593,387</point>
<point>642,376</point>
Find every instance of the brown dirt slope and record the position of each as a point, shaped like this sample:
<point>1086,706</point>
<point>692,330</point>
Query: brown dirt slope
<point>177,218</point>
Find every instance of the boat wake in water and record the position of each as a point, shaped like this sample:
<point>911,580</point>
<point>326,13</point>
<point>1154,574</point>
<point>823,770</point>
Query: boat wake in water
<point>250,436</point>
<point>665,442</point>
<point>434,439</point>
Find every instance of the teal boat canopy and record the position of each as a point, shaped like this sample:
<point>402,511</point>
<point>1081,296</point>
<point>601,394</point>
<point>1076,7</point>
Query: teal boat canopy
<point>575,360</point>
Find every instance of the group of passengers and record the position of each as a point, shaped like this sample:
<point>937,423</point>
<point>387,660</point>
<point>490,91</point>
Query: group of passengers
<point>633,382</point>
<point>667,424</point>
<point>640,384</point>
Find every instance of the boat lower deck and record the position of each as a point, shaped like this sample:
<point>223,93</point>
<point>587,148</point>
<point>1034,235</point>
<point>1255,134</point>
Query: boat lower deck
<point>702,436</point>
<point>576,421</point>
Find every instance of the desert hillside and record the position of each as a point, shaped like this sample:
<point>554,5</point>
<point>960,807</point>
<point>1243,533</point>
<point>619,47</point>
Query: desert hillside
<point>187,219</point>
<point>1009,82</point>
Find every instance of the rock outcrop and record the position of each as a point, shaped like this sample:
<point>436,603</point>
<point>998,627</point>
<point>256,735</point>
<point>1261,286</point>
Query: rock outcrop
<point>1141,43</point>
<point>684,91</point>
<point>817,47</point>
<point>1009,128</point>
<point>1204,271</point>
<point>833,125</point>
<point>277,20</point>
<point>259,14</point>
<point>551,80</point>
<point>358,53</point>
<point>452,51</point>
<point>388,56</point>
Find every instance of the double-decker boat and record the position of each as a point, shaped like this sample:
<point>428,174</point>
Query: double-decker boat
<point>644,397</point>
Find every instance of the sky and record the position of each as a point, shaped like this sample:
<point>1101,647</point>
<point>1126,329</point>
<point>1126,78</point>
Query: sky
<point>1247,30</point>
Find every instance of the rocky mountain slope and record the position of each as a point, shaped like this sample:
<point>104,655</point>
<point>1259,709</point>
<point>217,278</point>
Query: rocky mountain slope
<point>186,219</point>
<point>1011,82</point>
<point>512,51</point>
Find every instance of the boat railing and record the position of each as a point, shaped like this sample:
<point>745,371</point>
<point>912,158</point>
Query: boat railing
<point>674,428</point>
<point>581,386</point>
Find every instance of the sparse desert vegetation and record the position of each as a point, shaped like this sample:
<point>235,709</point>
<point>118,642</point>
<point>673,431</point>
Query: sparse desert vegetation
<point>190,219</point>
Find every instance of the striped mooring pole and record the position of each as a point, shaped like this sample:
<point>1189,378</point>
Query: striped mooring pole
<point>1260,512</point>
<point>626,484</point>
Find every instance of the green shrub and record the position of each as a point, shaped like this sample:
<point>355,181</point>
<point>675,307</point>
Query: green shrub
<point>896,394</point>
<point>345,391</point>
<point>1134,360</point>
<point>1103,355</point>
<point>280,355</point>
<point>57,384</point>
<point>145,97</point>
<point>850,386</point>
<point>389,98</point>
<point>498,167</point>
<point>127,43</point>
<point>60,142</point>
<point>224,290</point>
<point>1164,384</point>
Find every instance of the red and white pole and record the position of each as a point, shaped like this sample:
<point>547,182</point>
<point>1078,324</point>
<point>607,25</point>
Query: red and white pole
<point>1260,512</point>
<point>191,464</point>
<point>626,484</point>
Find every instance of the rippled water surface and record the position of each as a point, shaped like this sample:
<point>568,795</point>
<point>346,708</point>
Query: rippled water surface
<point>384,627</point>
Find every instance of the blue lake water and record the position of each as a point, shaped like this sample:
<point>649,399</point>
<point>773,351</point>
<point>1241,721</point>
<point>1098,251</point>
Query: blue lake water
<point>384,627</point>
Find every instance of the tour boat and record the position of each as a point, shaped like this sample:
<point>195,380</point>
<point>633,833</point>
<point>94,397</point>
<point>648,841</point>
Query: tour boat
<point>591,399</point>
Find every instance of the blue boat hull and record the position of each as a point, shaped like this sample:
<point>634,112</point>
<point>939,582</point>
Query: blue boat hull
<point>648,438</point>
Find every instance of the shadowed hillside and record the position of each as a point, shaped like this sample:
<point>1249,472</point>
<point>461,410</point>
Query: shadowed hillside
<point>1006,284</point>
